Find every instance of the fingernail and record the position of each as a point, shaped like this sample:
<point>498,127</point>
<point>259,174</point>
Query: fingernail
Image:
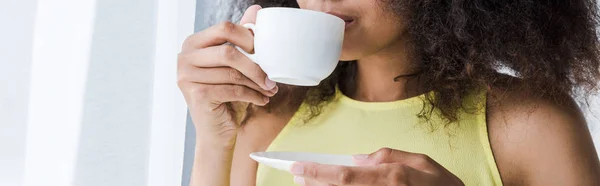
<point>274,90</point>
<point>266,99</point>
<point>361,156</point>
<point>297,169</point>
<point>269,83</point>
<point>299,180</point>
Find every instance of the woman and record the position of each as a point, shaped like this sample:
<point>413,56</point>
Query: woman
<point>417,93</point>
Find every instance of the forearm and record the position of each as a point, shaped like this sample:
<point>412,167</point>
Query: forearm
<point>212,165</point>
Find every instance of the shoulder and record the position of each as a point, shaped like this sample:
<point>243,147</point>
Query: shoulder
<point>539,140</point>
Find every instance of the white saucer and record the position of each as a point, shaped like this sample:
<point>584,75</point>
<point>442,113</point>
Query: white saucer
<point>284,160</point>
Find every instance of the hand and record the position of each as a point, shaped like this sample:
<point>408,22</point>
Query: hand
<point>216,78</point>
<point>382,168</point>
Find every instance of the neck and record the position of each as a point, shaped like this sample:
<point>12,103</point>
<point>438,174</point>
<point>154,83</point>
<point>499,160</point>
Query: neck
<point>376,74</point>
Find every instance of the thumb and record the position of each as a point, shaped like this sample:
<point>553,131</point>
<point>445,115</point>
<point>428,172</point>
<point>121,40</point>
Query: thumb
<point>384,155</point>
<point>250,14</point>
<point>363,160</point>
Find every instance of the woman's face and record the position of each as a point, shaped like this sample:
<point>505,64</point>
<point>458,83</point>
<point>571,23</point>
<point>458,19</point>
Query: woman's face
<point>369,28</point>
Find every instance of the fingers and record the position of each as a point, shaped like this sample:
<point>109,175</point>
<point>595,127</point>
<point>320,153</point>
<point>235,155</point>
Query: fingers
<point>386,155</point>
<point>364,160</point>
<point>227,56</point>
<point>230,93</point>
<point>250,14</point>
<point>220,34</point>
<point>225,32</point>
<point>337,175</point>
<point>221,75</point>
<point>215,95</point>
<point>310,182</point>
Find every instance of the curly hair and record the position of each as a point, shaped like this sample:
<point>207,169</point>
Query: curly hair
<point>552,46</point>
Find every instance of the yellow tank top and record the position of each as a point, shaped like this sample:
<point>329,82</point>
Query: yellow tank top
<point>347,126</point>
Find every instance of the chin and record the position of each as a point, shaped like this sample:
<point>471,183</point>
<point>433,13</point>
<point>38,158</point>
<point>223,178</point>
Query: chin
<point>342,58</point>
<point>349,55</point>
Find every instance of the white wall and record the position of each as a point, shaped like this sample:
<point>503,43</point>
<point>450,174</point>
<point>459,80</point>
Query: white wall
<point>175,23</point>
<point>15,62</point>
<point>117,102</point>
<point>59,66</point>
<point>88,91</point>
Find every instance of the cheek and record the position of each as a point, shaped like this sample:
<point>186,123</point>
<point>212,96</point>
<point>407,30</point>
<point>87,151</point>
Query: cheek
<point>386,30</point>
<point>372,35</point>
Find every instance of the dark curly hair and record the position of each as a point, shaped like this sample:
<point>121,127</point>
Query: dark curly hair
<point>552,46</point>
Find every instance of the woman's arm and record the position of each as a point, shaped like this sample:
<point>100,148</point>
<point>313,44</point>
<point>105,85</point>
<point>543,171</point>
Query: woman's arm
<point>254,136</point>
<point>214,77</point>
<point>212,164</point>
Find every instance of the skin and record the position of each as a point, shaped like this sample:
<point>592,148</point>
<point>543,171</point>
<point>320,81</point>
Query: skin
<point>535,141</point>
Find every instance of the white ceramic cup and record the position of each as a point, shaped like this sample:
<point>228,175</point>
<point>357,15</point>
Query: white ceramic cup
<point>295,46</point>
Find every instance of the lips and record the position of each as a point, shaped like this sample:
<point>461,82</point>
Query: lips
<point>348,19</point>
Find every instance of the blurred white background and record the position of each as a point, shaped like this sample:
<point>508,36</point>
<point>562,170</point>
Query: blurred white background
<point>88,94</point>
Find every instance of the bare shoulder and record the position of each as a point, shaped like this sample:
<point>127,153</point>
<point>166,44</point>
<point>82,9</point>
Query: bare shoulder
<point>540,140</point>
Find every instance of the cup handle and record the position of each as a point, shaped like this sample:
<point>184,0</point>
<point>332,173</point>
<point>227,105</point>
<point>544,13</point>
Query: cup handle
<point>250,56</point>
